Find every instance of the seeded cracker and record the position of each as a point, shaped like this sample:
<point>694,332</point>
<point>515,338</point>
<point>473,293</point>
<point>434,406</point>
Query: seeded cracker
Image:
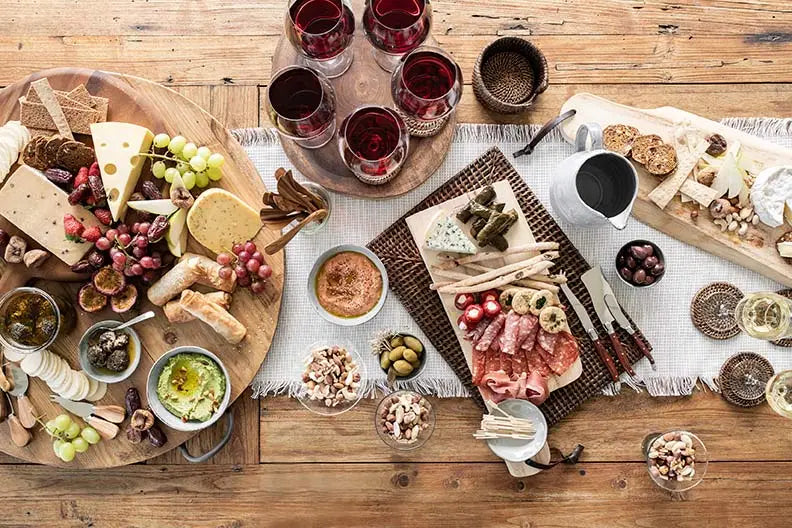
<point>48,99</point>
<point>661,159</point>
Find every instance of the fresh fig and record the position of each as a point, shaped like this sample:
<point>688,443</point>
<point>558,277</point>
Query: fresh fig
<point>109,281</point>
<point>124,300</point>
<point>90,299</point>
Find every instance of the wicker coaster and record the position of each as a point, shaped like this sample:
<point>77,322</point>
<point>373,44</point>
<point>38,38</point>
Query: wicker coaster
<point>712,310</point>
<point>784,342</point>
<point>420,128</point>
<point>743,378</point>
<point>509,77</point>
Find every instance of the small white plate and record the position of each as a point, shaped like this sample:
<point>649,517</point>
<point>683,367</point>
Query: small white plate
<point>513,450</point>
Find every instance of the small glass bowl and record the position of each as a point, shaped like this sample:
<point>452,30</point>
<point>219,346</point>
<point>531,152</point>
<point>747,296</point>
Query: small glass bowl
<point>318,406</point>
<point>402,445</point>
<point>315,227</point>
<point>64,318</point>
<point>678,486</point>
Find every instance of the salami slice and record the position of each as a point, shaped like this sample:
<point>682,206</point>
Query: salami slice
<point>479,361</point>
<point>491,333</point>
<point>496,344</point>
<point>506,363</point>
<point>546,340</point>
<point>530,340</point>
<point>564,354</point>
<point>511,330</point>
<point>493,363</point>
<point>475,334</point>
<point>518,363</point>
<point>535,361</point>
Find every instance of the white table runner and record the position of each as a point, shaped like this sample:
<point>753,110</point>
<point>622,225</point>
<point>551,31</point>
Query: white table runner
<point>683,354</point>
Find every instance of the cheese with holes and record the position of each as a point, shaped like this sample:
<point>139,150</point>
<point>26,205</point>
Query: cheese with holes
<point>218,220</point>
<point>118,147</point>
<point>37,206</point>
<point>785,249</point>
<point>445,234</point>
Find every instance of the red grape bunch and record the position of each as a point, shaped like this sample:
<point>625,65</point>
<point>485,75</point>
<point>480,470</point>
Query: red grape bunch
<point>132,251</point>
<point>248,264</point>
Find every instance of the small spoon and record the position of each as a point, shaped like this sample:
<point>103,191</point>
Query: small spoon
<point>135,320</point>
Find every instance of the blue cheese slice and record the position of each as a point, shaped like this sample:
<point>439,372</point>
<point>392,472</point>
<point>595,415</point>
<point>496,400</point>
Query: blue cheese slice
<point>445,234</point>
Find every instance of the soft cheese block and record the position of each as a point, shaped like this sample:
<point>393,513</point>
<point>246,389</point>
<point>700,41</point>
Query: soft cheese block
<point>118,147</point>
<point>445,234</point>
<point>218,220</point>
<point>769,194</point>
<point>37,206</point>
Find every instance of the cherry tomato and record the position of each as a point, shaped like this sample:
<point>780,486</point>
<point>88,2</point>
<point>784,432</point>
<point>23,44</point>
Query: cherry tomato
<point>461,323</point>
<point>489,294</point>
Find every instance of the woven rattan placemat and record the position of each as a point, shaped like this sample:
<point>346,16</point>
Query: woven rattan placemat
<point>410,280</point>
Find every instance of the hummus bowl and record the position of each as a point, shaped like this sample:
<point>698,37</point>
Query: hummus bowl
<point>360,301</point>
<point>161,411</point>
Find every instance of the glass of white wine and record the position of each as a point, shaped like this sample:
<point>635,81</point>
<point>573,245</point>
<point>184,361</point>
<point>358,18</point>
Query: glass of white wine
<point>779,393</point>
<point>765,315</point>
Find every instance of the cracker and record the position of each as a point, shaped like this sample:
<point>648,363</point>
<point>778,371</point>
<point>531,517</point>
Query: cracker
<point>661,159</point>
<point>619,138</point>
<point>641,144</point>
<point>50,102</point>
<point>688,158</point>
<point>35,116</point>
<point>63,99</point>
<point>81,94</point>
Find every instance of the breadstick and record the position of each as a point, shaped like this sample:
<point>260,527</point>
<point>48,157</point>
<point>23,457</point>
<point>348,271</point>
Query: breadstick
<point>214,315</point>
<point>177,314</point>
<point>529,283</point>
<point>497,282</point>
<point>494,274</point>
<point>538,281</point>
<point>525,248</point>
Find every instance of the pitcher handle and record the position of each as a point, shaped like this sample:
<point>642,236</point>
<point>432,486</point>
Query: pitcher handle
<point>583,133</point>
<point>571,458</point>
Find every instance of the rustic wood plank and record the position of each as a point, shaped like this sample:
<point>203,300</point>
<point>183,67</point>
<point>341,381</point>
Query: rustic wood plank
<point>462,17</point>
<point>620,59</point>
<point>234,106</point>
<point>364,495</point>
<point>611,429</point>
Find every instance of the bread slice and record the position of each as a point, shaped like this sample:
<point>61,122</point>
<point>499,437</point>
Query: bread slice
<point>619,138</point>
<point>641,144</point>
<point>30,153</point>
<point>661,159</point>
<point>35,115</point>
<point>51,149</point>
<point>72,155</point>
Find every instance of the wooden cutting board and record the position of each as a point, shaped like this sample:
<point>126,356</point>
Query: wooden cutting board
<point>756,251</point>
<point>137,100</point>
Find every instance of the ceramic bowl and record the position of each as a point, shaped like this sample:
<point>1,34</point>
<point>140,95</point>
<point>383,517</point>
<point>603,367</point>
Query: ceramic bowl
<point>624,251</point>
<point>159,410</point>
<point>108,376</point>
<point>346,321</point>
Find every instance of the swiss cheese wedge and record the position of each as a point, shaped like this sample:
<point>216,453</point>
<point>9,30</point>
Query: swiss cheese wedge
<point>118,147</point>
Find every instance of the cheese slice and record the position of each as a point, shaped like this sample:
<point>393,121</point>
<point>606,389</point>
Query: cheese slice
<point>218,220</point>
<point>445,234</point>
<point>785,249</point>
<point>37,206</point>
<point>770,193</point>
<point>118,147</point>
<point>788,211</point>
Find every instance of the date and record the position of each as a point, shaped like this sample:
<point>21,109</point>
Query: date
<point>158,228</point>
<point>97,188</point>
<point>59,176</point>
<point>150,190</point>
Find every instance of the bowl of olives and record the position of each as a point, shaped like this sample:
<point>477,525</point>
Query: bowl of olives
<point>401,356</point>
<point>640,264</point>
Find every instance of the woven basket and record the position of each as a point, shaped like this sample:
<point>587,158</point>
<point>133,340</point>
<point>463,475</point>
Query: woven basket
<point>509,74</point>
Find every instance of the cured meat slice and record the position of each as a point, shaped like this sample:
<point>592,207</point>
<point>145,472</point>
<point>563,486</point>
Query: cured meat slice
<point>491,333</point>
<point>497,386</point>
<point>479,361</point>
<point>546,340</point>
<point>518,363</point>
<point>530,341</point>
<point>564,354</point>
<point>535,389</point>
<point>506,363</point>
<point>524,328</point>
<point>511,330</point>
<point>475,334</point>
<point>536,362</point>
<point>493,363</point>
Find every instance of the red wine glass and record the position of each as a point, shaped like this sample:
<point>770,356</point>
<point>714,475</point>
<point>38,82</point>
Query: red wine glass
<point>321,31</point>
<point>301,104</point>
<point>373,142</point>
<point>426,86</point>
<point>395,27</point>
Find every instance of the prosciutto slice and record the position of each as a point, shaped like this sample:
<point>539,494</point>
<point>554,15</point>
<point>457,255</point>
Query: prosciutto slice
<point>511,332</point>
<point>497,386</point>
<point>491,333</point>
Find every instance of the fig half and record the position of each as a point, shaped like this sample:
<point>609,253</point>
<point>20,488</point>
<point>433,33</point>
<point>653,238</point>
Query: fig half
<point>124,300</point>
<point>109,281</point>
<point>90,299</point>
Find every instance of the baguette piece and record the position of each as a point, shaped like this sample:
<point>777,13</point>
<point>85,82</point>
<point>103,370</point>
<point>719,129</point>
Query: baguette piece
<point>190,269</point>
<point>176,313</point>
<point>210,273</point>
<point>214,315</point>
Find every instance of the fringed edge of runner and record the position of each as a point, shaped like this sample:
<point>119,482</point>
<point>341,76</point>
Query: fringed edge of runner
<point>442,388</point>
<point>669,386</point>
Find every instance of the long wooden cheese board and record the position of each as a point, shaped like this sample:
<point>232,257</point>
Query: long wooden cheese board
<point>755,251</point>
<point>143,102</point>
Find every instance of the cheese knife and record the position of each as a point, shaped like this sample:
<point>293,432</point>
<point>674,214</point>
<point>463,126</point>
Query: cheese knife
<point>618,314</point>
<point>91,414</point>
<point>588,326</point>
<point>593,280</point>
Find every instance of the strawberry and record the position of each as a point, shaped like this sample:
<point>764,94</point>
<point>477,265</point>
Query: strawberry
<point>73,228</point>
<point>103,215</point>
<point>92,234</point>
<point>82,177</point>
<point>94,170</point>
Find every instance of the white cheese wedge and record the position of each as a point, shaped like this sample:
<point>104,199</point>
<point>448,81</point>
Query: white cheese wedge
<point>445,234</point>
<point>785,249</point>
<point>118,147</point>
<point>37,206</point>
<point>218,220</point>
<point>788,211</point>
<point>155,207</point>
<point>770,193</point>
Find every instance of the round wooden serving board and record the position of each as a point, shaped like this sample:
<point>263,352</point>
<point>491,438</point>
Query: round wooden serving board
<point>143,102</point>
<point>363,83</point>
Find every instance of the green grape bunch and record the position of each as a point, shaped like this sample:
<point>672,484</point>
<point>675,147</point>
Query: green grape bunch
<point>68,438</point>
<point>196,165</point>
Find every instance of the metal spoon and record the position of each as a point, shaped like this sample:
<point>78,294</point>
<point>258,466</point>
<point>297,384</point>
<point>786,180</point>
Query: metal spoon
<point>135,320</point>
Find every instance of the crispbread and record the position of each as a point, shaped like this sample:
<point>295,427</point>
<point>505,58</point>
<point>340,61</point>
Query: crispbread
<point>619,138</point>
<point>81,94</point>
<point>35,115</point>
<point>62,97</point>
<point>72,155</point>
<point>661,159</point>
<point>641,144</point>
<point>50,103</point>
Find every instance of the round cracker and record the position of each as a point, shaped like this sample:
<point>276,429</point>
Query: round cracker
<point>619,138</point>
<point>61,377</point>
<point>46,366</point>
<point>99,393</point>
<point>73,386</point>
<point>641,144</point>
<point>12,354</point>
<point>661,159</point>
<point>85,386</point>
<point>31,362</point>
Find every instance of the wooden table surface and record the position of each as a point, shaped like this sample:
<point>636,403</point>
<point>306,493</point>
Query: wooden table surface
<point>287,468</point>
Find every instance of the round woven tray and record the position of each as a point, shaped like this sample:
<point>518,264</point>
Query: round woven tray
<point>784,342</point>
<point>509,74</point>
<point>712,310</point>
<point>420,128</point>
<point>743,378</point>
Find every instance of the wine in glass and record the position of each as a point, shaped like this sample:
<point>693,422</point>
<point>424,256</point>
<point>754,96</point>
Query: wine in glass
<point>779,393</point>
<point>395,27</point>
<point>373,142</point>
<point>322,31</point>
<point>764,315</point>
<point>301,104</point>
<point>426,87</point>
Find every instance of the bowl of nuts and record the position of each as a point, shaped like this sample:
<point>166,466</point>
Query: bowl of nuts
<point>640,264</point>
<point>404,420</point>
<point>676,461</point>
<point>331,380</point>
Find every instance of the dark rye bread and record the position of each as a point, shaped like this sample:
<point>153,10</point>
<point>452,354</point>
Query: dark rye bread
<point>30,154</point>
<point>51,149</point>
<point>74,155</point>
<point>661,159</point>
<point>619,138</point>
<point>641,144</point>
